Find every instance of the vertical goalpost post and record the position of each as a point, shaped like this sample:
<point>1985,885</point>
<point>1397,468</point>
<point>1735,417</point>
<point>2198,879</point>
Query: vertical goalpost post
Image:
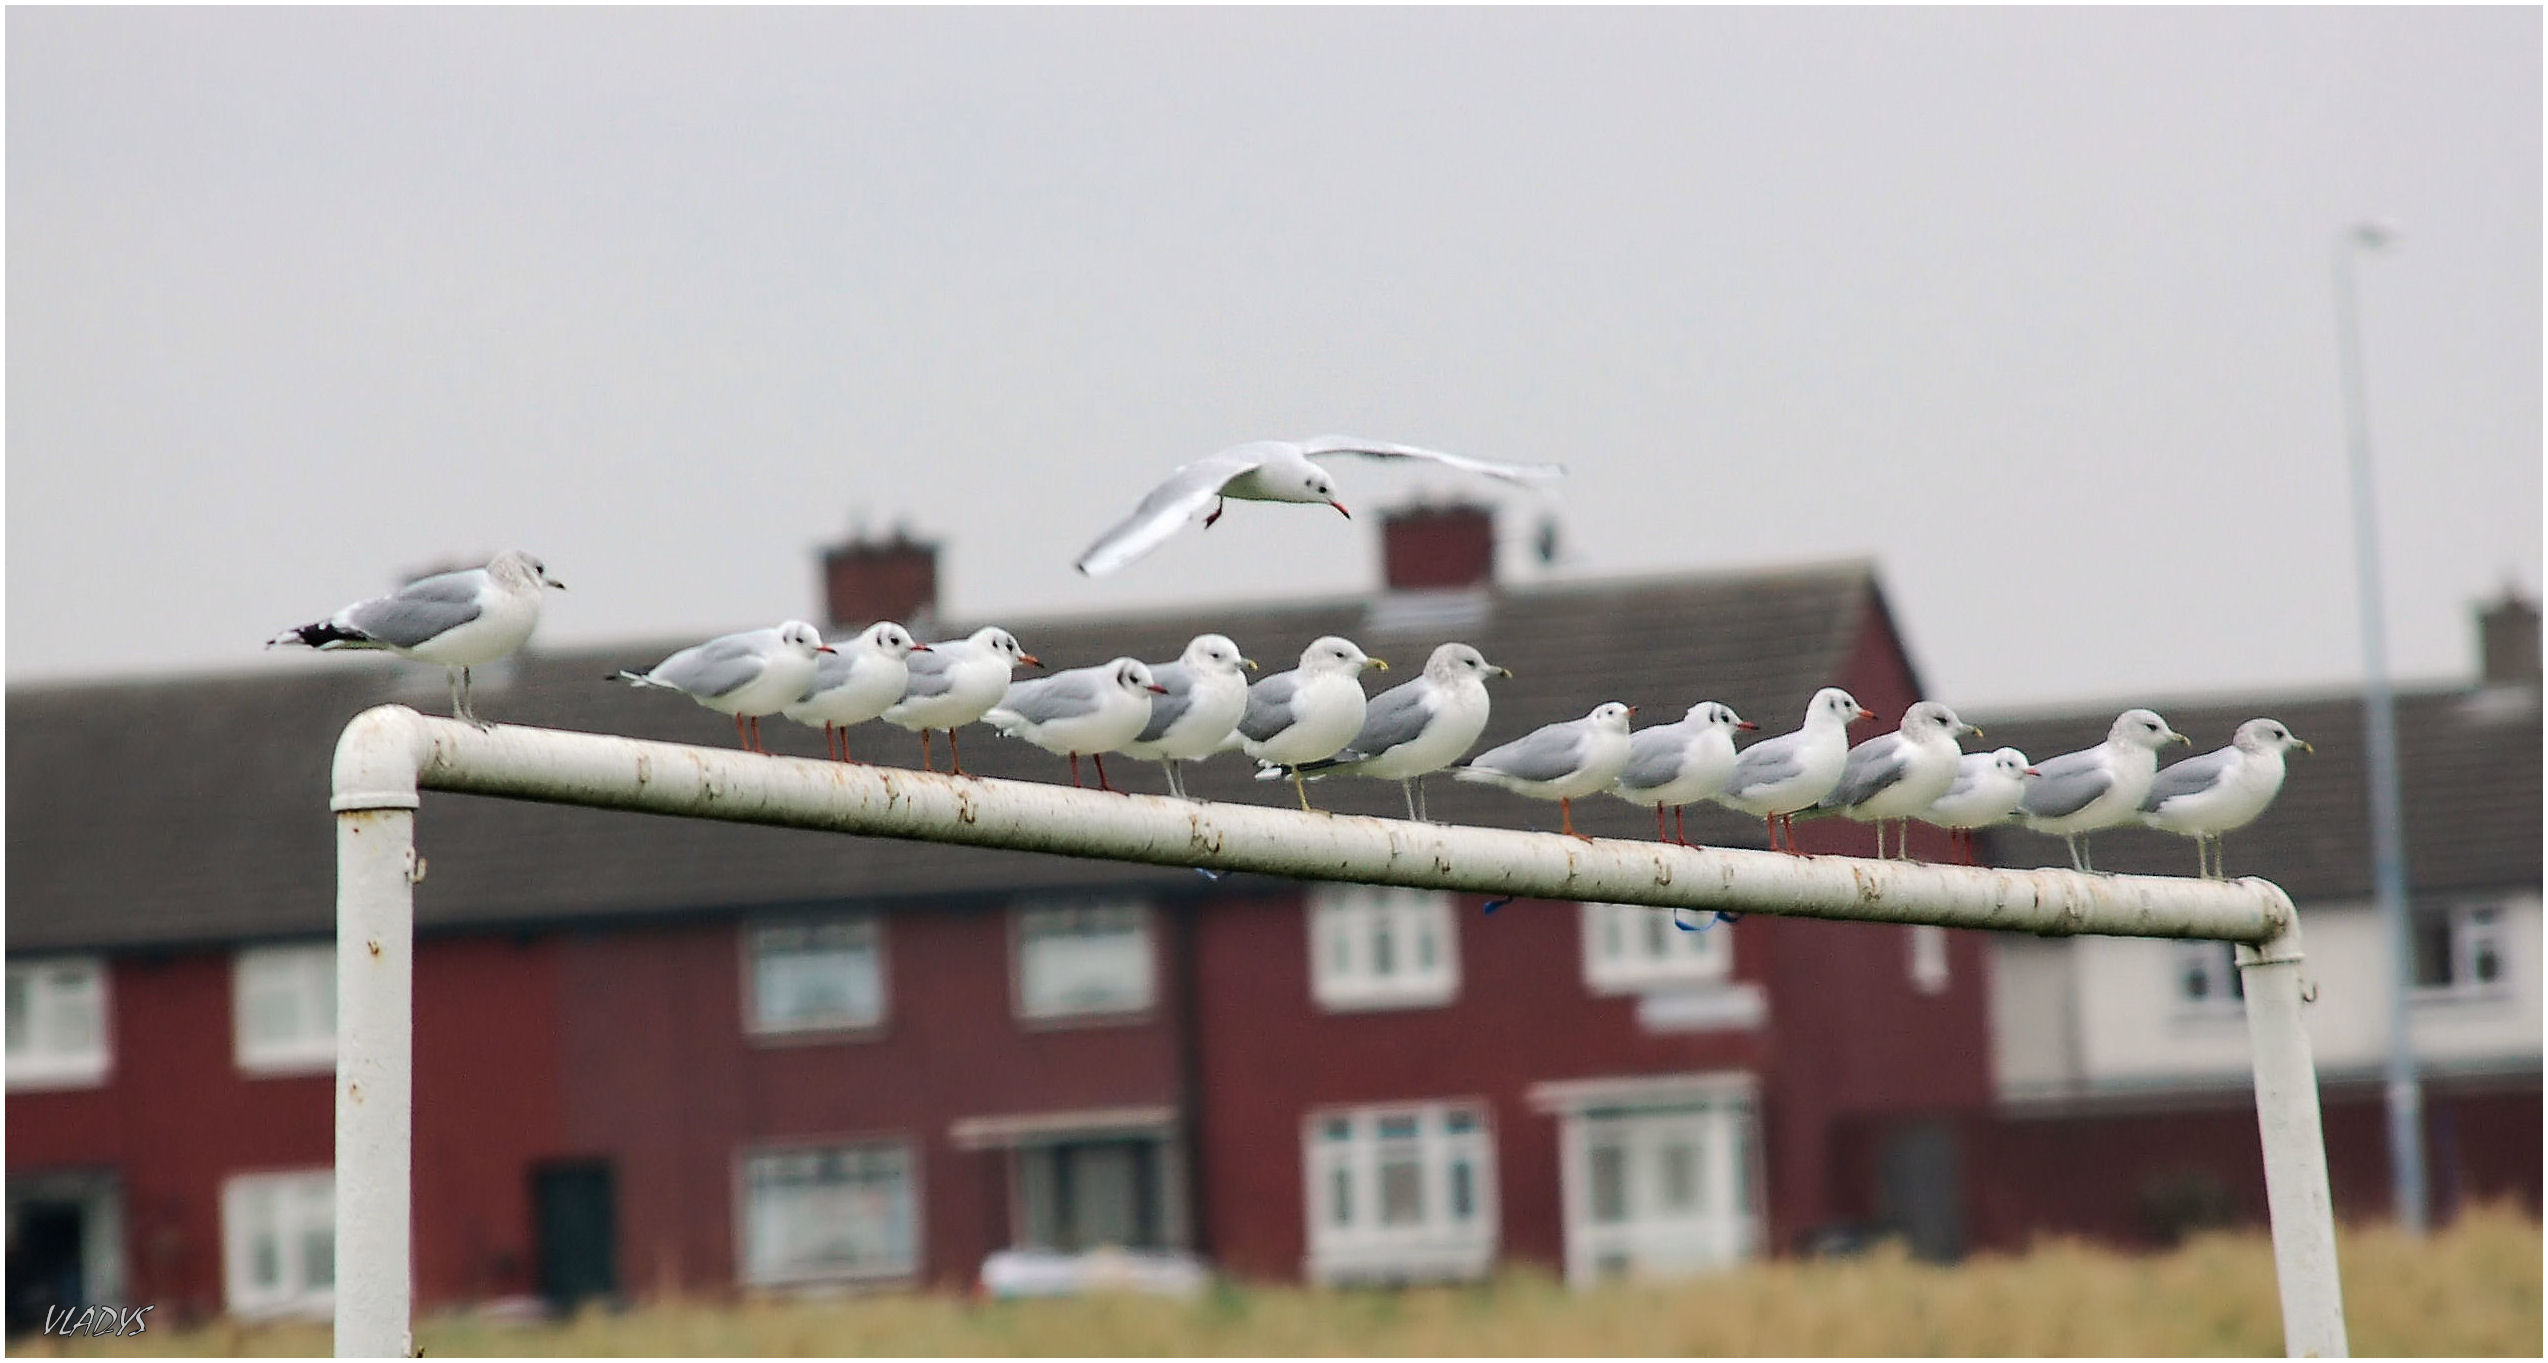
<point>388,754</point>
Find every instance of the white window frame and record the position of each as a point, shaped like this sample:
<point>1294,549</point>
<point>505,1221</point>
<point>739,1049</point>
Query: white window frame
<point>1930,967</point>
<point>308,971</point>
<point>1438,1244</point>
<point>2475,926</point>
<point>749,1269</point>
<point>1367,945</point>
<point>1624,953</point>
<point>1029,920</point>
<point>2217,964</point>
<point>760,938</point>
<point>1638,1115</point>
<point>43,1053</point>
<point>301,1204</point>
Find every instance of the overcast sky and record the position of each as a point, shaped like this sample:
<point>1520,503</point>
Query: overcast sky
<point>2032,307</point>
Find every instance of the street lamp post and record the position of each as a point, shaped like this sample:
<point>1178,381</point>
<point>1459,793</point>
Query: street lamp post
<point>2380,752</point>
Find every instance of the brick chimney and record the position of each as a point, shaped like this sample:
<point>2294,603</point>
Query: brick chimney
<point>1438,546</point>
<point>865,580</point>
<point>2508,642</point>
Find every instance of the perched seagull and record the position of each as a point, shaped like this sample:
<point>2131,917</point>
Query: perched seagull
<point>2204,797</point>
<point>1308,713</point>
<point>856,683</point>
<point>2078,793</point>
<point>1264,471</point>
<point>1419,727</point>
<point>757,672</point>
<point>1088,711</point>
<point>1679,763</point>
<point>1897,775</point>
<point>1985,791</point>
<point>1203,694</point>
<point>459,620</point>
<point>1559,761</point>
<point>1778,776</point>
<point>955,683</point>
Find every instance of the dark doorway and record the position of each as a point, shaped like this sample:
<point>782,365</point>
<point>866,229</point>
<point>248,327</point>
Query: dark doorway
<point>1082,1194</point>
<point>1921,1189</point>
<point>578,1232</point>
<point>45,1262</point>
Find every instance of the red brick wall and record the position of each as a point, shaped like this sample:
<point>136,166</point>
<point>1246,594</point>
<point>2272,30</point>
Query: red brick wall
<point>177,1117</point>
<point>662,1081</point>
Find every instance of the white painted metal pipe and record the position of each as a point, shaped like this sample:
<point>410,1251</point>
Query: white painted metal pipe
<point>2302,1211</point>
<point>388,753</point>
<point>375,978</point>
<point>666,778</point>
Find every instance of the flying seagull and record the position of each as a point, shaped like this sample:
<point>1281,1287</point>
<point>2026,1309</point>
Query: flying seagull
<point>1265,471</point>
<point>459,620</point>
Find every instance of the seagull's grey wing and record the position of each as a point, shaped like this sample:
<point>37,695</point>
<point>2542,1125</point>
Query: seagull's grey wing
<point>1046,699</point>
<point>929,674</point>
<point>2192,776</point>
<point>831,672</point>
<point>1163,511</point>
<point>1968,774</point>
<point>1168,709</point>
<point>1540,755</point>
<point>1320,447</point>
<point>1394,718</point>
<point>715,667</point>
<point>2066,784</point>
<point>1765,764</point>
<point>1872,766</point>
<point>1655,757</point>
<point>1269,706</point>
<point>420,610</point>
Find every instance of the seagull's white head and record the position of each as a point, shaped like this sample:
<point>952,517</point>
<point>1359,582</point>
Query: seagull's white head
<point>1297,479</point>
<point>2142,729</point>
<point>1214,653</point>
<point>2268,735</point>
<point>891,639</point>
<point>1451,662</point>
<point>1004,644</point>
<point>1929,717</point>
<point>1133,675</point>
<point>1716,715</point>
<point>1334,654</point>
<point>2012,763</point>
<point>1612,714</point>
<point>515,568</point>
<point>800,637</point>
<point>1834,706</point>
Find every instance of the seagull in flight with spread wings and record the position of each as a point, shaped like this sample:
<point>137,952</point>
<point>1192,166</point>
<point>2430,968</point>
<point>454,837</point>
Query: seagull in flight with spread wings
<point>1265,471</point>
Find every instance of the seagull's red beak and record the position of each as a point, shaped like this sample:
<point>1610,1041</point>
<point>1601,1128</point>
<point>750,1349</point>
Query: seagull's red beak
<point>922,648</point>
<point>825,648</point>
<point>1156,687</point>
<point>2032,772</point>
<point>1745,724</point>
<point>1865,713</point>
<point>1341,511</point>
<point>1030,660</point>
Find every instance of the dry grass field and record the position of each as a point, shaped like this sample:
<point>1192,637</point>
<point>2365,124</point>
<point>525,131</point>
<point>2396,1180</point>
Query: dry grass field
<point>2473,1290</point>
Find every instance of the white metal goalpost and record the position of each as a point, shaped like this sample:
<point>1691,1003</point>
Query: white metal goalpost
<point>388,754</point>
